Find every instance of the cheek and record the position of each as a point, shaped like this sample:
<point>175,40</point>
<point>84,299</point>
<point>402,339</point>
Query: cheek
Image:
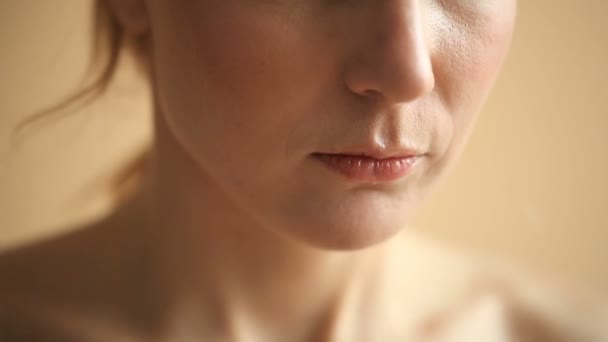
<point>232,84</point>
<point>230,54</point>
<point>236,58</point>
<point>220,76</point>
<point>236,71</point>
<point>468,56</point>
<point>471,68</point>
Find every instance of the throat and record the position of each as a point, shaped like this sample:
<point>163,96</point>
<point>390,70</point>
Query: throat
<point>267,289</point>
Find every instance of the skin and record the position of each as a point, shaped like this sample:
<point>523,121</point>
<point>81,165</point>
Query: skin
<point>241,235</point>
<point>250,89</point>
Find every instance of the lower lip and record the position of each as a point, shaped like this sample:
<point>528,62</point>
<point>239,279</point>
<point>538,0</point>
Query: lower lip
<point>366,169</point>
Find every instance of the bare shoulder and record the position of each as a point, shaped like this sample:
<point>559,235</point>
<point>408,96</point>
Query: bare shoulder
<point>543,309</point>
<point>56,269</point>
<point>51,289</point>
<point>38,280</point>
<point>495,301</point>
<point>21,322</point>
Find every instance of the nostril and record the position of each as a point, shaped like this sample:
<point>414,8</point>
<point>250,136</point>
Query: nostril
<point>397,74</point>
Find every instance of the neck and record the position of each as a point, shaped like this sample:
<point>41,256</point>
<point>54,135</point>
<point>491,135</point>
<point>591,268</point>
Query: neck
<point>225,267</point>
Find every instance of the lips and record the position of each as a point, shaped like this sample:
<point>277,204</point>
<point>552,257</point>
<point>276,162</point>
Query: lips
<point>368,167</point>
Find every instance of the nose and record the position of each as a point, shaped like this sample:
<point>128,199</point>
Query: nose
<point>392,59</point>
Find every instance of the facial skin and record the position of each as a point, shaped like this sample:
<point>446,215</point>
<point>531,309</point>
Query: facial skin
<point>250,89</point>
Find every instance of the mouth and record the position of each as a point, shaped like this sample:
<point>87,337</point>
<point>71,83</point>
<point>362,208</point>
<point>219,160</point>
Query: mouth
<point>370,167</point>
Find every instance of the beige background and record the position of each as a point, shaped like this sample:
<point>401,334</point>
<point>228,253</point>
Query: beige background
<point>532,186</point>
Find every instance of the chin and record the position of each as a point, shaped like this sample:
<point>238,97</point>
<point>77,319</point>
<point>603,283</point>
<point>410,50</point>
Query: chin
<point>340,220</point>
<point>348,232</point>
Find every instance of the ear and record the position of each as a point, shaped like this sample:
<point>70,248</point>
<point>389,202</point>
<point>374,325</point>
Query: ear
<point>131,14</point>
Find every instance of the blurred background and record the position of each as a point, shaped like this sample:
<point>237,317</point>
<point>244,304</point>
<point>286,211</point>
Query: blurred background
<point>531,187</point>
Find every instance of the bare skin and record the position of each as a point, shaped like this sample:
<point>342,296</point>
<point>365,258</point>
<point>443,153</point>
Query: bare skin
<point>101,284</point>
<point>238,233</point>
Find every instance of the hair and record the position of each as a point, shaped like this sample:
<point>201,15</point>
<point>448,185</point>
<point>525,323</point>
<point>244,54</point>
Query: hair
<point>109,42</point>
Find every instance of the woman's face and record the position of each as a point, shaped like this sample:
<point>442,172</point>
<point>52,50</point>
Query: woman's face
<point>255,90</point>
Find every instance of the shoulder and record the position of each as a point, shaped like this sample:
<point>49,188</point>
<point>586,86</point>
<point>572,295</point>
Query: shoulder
<point>46,269</point>
<point>58,288</point>
<point>546,309</point>
<point>494,301</point>
<point>34,288</point>
<point>74,266</point>
<point>22,319</point>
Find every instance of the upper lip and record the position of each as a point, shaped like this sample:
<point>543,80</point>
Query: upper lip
<point>377,152</point>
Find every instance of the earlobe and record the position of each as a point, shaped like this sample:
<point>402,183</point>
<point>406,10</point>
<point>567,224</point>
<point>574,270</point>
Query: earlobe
<point>132,15</point>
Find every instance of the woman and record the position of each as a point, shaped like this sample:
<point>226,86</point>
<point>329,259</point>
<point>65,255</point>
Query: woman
<point>293,142</point>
